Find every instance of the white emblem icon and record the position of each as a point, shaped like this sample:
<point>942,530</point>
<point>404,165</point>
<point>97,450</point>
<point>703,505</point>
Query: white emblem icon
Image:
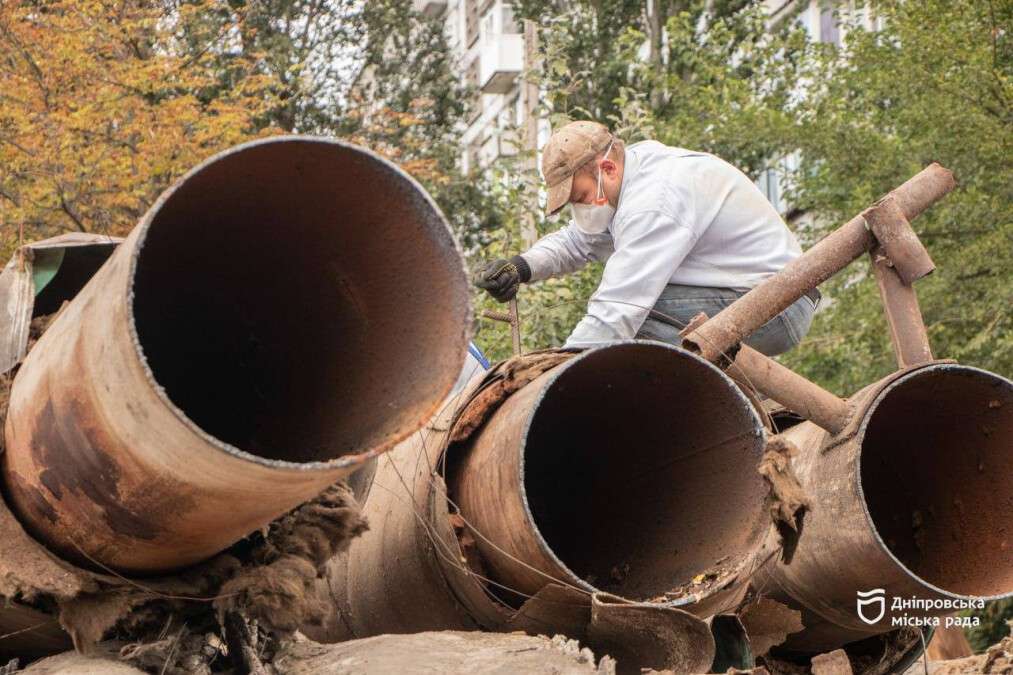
<point>871,601</point>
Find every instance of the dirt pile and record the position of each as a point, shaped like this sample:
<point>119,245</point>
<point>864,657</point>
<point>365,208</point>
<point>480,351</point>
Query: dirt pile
<point>448,652</point>
<point>997,660</point>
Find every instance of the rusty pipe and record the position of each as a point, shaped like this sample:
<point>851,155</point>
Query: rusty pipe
<point>629,469</point>
<point>245,347</point>
<point>790,389</point>
<point>830,255</point>
<point>712,501</point>
<point>908,335</point>
<point>913,498</point>
<point>898,242</point>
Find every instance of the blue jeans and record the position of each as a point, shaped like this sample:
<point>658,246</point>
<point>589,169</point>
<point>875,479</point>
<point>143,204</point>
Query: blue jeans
<point>681,303</point>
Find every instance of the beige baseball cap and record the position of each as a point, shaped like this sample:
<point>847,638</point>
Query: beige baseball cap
<point>569,148</point>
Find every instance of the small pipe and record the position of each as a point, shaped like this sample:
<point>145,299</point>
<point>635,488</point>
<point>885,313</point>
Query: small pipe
<point>898,242</point>
<point>718,336</point>
<point>243,348</point>
<point>908,336</point>
<point>790,389</point>
<point>510,317</point>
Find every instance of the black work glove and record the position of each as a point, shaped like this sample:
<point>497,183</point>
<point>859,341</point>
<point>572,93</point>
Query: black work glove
<point>501,278</point>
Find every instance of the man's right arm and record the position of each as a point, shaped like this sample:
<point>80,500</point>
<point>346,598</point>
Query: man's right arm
<point>561,252</point>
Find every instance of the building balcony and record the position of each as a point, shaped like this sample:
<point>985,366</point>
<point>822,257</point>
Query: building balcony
<point>430,7</point>
<point>502,60</point>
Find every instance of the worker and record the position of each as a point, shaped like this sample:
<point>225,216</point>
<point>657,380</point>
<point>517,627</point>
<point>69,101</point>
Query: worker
<point>680,232</point>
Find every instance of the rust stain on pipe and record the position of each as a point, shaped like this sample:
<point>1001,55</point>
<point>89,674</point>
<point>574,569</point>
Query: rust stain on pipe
<point>629,469</point>
<point>898,242</point>
<point>916,499</point>
<point>908,336</point>
<point>718,336</point>
<point>242,349</point>
<point>790,389</point>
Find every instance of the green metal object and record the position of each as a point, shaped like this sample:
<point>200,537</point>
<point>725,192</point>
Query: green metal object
<point>45,266</point>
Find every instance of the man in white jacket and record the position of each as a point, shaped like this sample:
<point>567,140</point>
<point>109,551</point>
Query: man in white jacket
<point>680,232</point>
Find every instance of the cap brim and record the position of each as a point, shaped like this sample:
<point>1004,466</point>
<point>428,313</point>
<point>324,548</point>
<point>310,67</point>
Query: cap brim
<point>559,195</point>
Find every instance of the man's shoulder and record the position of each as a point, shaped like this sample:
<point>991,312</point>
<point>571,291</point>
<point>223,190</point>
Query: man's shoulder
<point>669,164</point>
<point>680,167</point>
<point>657,149</point>
<point>663,168</point>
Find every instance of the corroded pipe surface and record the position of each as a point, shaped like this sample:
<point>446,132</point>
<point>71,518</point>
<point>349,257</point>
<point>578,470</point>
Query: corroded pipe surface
<point>790,389</point>
<point>898,241</point>
<point>827,257</point>
<point>629,469</point>
<point>914,500</point>
<point>246,346</point>
<point>908,336</point>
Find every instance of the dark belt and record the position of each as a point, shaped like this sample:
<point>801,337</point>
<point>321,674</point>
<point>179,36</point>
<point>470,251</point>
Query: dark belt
<point>815,296</point>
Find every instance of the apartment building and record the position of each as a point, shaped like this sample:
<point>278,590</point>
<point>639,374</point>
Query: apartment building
<point>489,48</point>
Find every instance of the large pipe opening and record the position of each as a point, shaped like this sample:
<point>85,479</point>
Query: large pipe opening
<point>639,469</point>
<point>271,302</point>
<point>935,466</point>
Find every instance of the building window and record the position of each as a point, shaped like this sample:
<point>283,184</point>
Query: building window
<point>830,32</point>
<point>509,25</point>
<point>472,81</point>
<point>770,186</point>
<point>511,113</point>
<point>487,29</point>
<point>451,30</point>
<point>471,158</point>
<point>470,22</point>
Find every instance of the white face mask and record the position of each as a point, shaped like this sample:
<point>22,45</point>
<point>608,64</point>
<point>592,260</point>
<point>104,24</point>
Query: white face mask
<point>591,218</point>
<point>595,218</point>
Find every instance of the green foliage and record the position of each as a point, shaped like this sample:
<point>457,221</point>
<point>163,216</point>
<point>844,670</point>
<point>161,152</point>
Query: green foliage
<point>730,88</point>
<point>408,103</point>
<point>103,104</point>
<point>933,85</point>
<point>584,67</point>
<point>996,619</point>
<point>304,46</point>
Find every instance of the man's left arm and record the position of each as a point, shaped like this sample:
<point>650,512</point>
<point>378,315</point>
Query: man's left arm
<point>649,246</point>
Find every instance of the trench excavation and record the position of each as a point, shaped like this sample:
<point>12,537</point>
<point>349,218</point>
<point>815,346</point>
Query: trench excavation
<point>630,468</point>
<point>934,466</point>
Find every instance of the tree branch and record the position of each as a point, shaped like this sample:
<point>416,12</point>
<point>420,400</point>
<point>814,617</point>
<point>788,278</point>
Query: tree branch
<point>70,213</point>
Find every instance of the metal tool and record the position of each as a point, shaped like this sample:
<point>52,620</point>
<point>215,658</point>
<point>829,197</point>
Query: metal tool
<point>513,318</point>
